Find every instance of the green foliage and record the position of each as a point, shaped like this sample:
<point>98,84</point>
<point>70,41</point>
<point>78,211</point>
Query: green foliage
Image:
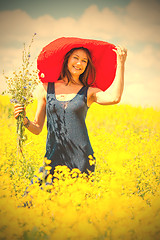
<point>20,86</point>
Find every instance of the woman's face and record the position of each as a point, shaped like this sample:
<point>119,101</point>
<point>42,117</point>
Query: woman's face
<point>77,62</point>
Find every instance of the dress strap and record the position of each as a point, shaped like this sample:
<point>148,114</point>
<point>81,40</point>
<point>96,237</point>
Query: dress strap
<point>50,87</point>
<point>85,94</point>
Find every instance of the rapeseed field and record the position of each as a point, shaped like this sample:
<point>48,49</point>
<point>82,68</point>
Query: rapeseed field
<point>120,201</point>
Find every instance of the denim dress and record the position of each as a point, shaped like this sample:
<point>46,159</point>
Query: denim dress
<point>68,142</point>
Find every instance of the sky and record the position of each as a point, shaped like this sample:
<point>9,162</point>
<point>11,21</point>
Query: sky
<point>134,24</point>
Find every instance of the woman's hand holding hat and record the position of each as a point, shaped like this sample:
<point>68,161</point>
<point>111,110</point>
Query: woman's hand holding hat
<point>121,55</point>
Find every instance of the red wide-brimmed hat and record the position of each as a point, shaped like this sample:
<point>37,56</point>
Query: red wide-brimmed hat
<point>50,60</point>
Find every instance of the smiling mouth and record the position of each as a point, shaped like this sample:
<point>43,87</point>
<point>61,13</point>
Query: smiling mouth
<point>77,68</point>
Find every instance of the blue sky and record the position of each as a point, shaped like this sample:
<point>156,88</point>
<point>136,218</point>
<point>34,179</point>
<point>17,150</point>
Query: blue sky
<point>58,8</point>
<point>134,24</point>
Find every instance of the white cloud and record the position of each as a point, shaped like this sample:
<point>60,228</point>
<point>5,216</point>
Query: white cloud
<point>138,23</point>
<point>145,61</point>
<point>146,11</point>
<point>141,95</point>
<point>149,57</point>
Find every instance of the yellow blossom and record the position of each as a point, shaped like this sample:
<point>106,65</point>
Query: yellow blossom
<point>120,200</point>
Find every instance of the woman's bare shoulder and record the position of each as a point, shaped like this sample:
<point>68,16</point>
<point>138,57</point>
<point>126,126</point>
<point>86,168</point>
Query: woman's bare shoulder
<point>43,90</point>
<point>45,85</point>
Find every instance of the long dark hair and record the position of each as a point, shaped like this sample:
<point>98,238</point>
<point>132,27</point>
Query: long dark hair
<point>90,69</point>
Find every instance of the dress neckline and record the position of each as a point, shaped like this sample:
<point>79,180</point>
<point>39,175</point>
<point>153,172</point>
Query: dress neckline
<point>66,100</point>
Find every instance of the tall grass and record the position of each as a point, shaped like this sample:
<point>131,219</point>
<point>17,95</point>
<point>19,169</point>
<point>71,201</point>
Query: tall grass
<point>121,201</point>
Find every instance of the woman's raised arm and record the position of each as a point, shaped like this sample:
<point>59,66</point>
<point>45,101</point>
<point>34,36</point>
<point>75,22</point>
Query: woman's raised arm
<point>113,94</point>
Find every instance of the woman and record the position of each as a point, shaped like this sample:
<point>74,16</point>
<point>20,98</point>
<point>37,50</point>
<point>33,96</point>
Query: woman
<point>66,102</point>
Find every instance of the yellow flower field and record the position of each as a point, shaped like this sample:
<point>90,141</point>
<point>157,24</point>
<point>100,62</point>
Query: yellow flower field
<point>120,201</point>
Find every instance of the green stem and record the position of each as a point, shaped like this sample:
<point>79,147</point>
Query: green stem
<point>20,133</point>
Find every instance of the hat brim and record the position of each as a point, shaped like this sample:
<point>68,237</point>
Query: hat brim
<point>50,59</point>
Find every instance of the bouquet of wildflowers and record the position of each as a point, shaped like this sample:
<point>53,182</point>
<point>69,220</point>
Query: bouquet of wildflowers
<point>21,86</point>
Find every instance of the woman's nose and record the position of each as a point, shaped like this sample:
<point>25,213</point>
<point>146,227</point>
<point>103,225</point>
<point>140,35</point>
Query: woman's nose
<point>79,62</point>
